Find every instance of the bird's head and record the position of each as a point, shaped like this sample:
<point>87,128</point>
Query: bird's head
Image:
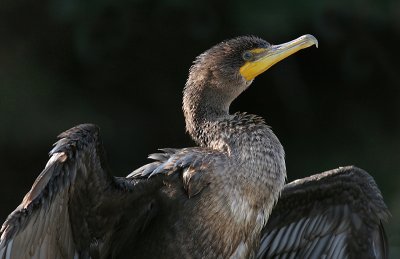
<point>222,73</point>
<point>228,68</point>
<point>258,58</point>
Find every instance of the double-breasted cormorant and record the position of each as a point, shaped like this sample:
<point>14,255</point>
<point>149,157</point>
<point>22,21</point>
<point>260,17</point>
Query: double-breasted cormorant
<point>210,201</point>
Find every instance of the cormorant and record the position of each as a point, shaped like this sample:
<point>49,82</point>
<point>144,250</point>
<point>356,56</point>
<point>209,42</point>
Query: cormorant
<point>209,201</point>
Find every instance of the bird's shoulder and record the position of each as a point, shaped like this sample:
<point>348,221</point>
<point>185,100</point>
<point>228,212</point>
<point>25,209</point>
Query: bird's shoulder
<point>194,167</point>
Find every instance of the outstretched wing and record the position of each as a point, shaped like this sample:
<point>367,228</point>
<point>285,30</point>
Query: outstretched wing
<point>71,210</point>
<point>336,214</point>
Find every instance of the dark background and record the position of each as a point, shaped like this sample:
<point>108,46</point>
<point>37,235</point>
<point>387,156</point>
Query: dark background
<point>122,65</point>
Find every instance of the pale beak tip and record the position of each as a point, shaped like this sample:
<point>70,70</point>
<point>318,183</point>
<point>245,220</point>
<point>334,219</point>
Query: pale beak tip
<point>311,39</point>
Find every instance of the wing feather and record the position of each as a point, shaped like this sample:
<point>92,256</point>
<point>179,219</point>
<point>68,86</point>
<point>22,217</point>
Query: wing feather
<point>71,205</point>
<point>29,231</point>
<point>336,214</point>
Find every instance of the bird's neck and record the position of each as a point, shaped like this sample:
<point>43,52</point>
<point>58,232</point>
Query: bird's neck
<point>204,110</point>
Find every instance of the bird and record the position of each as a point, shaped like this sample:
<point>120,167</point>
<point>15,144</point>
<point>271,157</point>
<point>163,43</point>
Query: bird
<point>225,197</point>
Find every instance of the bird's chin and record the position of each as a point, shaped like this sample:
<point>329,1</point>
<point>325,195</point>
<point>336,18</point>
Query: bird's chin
<point>247,83</point>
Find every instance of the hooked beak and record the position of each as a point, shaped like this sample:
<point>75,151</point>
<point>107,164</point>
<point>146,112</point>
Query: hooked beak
<point>267,57</point>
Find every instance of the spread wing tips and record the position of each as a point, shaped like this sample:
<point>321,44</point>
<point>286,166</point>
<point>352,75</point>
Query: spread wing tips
<point>348,178</point>
<point>30,230</point>
<point>335,214</point>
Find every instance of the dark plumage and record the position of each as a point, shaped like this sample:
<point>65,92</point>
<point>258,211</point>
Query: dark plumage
<point>209,201</point>
<point>337,214</point>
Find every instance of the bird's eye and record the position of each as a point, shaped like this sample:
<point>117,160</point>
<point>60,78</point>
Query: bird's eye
<point>247,55</point>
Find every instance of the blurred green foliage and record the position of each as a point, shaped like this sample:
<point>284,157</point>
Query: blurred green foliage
<point>122,64</point>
